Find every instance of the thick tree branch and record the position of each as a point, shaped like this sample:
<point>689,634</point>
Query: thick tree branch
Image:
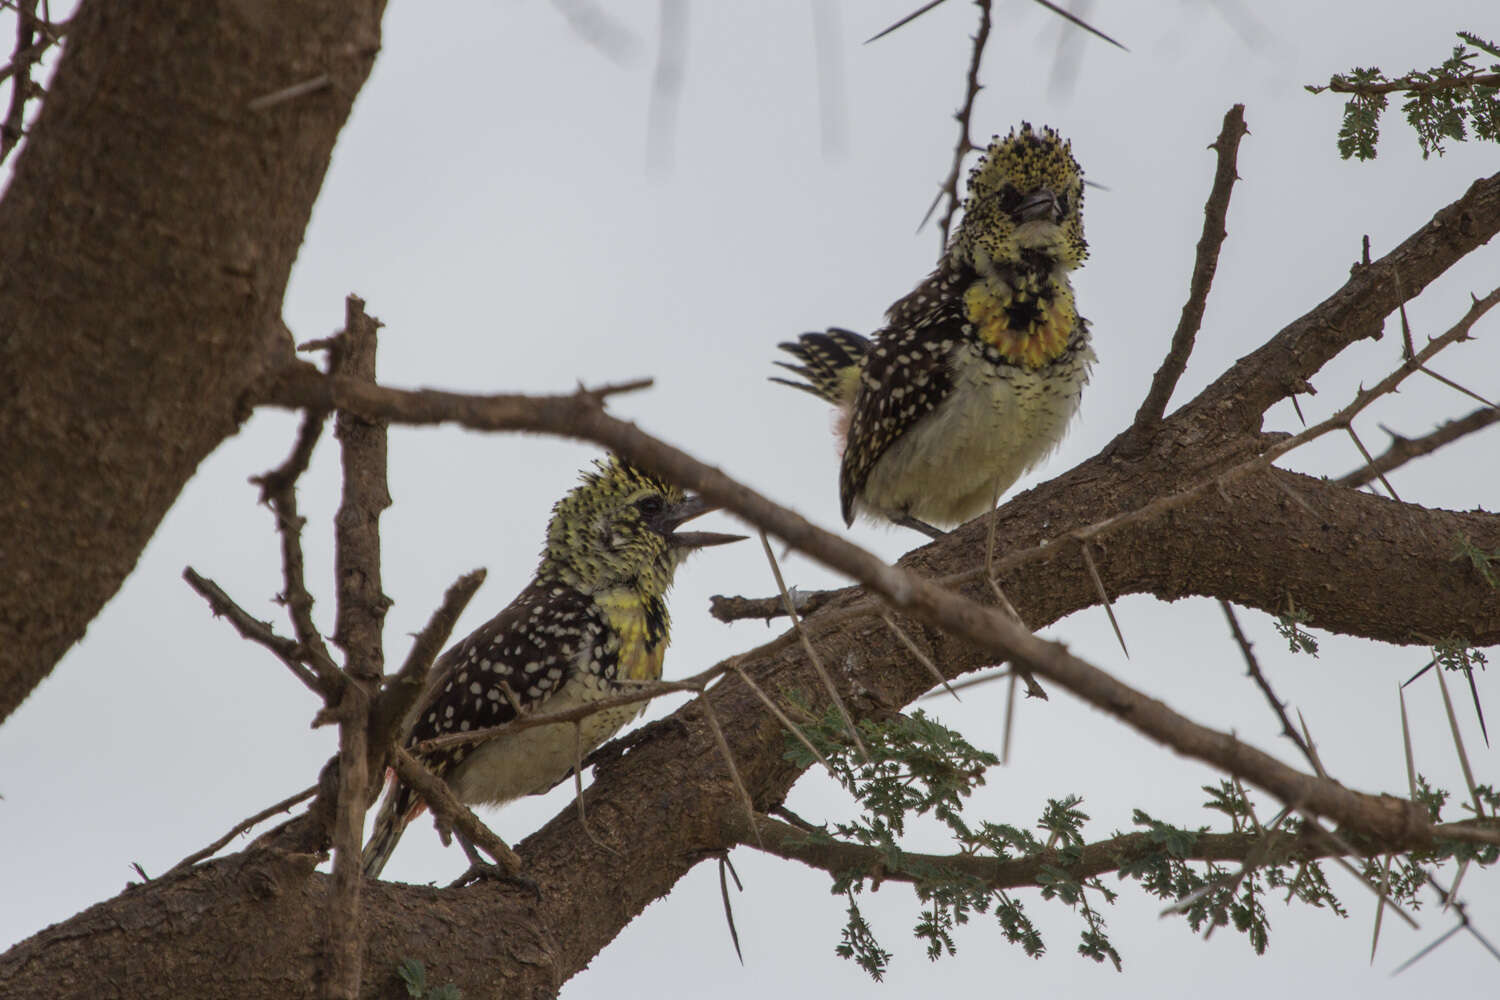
<point>147,236</point>
<point>1235,401</point>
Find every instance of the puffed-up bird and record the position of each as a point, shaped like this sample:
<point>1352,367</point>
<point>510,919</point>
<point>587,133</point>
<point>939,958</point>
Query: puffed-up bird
<point>978,371</point>
<point>592,620</point>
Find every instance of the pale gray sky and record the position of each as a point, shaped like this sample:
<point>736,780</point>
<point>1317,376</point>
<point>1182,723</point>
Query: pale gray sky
<point>491,200</point>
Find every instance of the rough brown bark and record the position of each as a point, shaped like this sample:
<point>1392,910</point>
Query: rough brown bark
<point>145,244</point>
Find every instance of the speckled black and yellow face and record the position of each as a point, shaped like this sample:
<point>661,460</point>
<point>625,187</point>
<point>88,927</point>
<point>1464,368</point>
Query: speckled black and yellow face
<point>602,533</point>
<point>1025,197</point>
<point>618,528</point>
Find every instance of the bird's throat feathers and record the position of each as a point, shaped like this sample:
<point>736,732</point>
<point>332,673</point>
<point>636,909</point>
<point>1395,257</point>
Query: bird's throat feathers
<point>1029,326</point>
<point>642,625</point>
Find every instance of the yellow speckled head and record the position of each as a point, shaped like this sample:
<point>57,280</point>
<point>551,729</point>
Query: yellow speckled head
<point>1025,196</point>
<point>610,531</point>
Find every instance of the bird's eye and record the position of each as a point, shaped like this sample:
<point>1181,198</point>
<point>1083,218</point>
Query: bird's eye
<point>1062,205</point>
<point>650,506</point>
<point>1009,199</point>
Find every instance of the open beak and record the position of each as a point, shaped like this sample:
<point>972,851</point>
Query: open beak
<point>1040,204</point>
<point>694,506</point>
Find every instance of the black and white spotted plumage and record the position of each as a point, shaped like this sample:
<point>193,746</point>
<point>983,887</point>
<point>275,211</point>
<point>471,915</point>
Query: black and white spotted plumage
<point>593,619</point>
<point>978,371</point>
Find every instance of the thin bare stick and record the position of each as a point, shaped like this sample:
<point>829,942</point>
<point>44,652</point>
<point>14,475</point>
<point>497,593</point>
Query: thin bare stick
<point>1312,748</point>
<point>1010,716</point>
<point>734,772</point>
<point>925,600</point>
<point>1458,742</point>
<point>1347,850</point>
<point>249,627</point>
<point>1427,950</point>
<point>242,827</point>
<point>909,18</point>
<point>965,145</point>
<point>451,812</point>
<point>1380,905</point>
<point>734,609</point>
<point>1370,460</point>
<point>1455,386</point>
<point>1205,264</point>
<point>403,688</point>
<point>812,654</point>
<point>1109,608</point>
<point>278,490</point>
<point>786,722</point>
<point>921,657</point>
<point>583,815</point>
<point>734,935</point>
<point>1252,667</point>
<point>1411,770</point>
<point>1033,688</point>
<point>1403,449</point>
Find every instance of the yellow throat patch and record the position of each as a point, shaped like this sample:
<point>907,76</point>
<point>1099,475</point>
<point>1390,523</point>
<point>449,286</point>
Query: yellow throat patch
<point>1041,341</point>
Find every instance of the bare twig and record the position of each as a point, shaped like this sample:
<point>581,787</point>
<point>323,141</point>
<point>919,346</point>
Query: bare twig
<point>733,609</point>
<point>452,813</point>
<point>1369,460</point>
<point>1403,449</point>
<point>242,827</point>
<point>249,627</point>
<point>734,772</point>
<point>1205,264</point>
<point>1411,770</point>
<point>786,723</point>
<point>1074,19</point>
<point>361,602</point>
<point>812,654</point>
<point>1458,743</point>
<point>404,688</point>
<point>725,865</point>
<point>1312,747</point>
<point>908,19</point>
<point>1109,608</point>
<point>1252,666</point>
<point>965,145</point>
<point>23,58</point>
<point>278,491</point>
<point>922,658</point>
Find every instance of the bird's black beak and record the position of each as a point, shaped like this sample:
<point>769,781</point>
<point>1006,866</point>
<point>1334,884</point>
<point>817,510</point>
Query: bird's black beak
<point>1040,204</point>
<point>678,514</point>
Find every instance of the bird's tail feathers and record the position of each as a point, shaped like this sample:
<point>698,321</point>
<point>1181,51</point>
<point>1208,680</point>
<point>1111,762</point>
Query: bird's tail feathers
<point>398,809</point>
<point>830,364</point>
